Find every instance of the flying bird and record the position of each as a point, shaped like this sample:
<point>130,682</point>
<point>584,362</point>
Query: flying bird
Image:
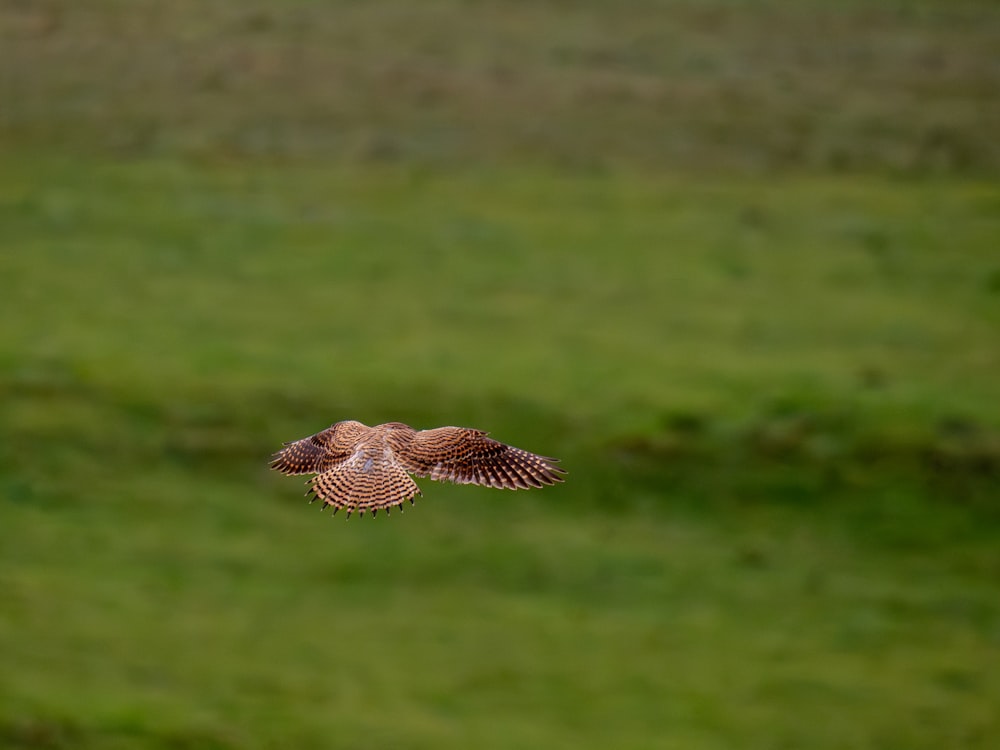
<point>362,468</point>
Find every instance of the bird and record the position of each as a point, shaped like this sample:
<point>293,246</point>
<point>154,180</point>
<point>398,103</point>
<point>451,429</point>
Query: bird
<point>361,468</point>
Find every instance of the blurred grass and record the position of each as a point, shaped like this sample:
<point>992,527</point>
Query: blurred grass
<point>905,88</point>
<point>776,393</point>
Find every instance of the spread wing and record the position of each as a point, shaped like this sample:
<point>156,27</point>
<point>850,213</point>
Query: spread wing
<point>467,456</point>
<point>311,455</point>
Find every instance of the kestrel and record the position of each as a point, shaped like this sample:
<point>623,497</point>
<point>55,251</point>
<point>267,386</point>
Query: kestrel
<point>361,468</point>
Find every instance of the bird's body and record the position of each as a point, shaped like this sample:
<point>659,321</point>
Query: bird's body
<point>361,468</point>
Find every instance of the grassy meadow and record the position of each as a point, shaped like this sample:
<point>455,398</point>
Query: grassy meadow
<point>737,264</point>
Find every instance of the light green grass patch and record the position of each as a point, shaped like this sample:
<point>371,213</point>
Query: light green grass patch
<point>757,388</point>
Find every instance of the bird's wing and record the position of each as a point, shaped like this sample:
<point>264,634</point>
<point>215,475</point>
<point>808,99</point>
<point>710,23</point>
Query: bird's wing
<point>467,456</point>
<point>310,455</point>
<point>363,483</point>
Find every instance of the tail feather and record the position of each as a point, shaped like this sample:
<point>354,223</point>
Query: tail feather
<point>348,487</point>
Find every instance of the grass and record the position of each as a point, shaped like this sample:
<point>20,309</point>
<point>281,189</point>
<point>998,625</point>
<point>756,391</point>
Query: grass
<point>903,88</point>
<point>771,377</point>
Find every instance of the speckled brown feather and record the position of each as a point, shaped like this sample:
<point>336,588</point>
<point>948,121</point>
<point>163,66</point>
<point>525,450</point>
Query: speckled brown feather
<point>467,456</point>
<point>363,468</point>
<point>348,486</point>
<point>310,455</point>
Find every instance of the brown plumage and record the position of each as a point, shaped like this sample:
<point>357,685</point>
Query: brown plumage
<point>361,468</point>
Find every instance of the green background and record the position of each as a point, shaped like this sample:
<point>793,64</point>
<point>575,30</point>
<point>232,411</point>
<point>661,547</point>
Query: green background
<point>737,264</point>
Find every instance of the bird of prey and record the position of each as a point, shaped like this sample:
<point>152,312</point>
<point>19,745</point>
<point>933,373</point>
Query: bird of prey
<point>362,468</point>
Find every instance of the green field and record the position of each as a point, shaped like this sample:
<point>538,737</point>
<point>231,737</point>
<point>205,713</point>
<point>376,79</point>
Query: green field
<point>736,263</point>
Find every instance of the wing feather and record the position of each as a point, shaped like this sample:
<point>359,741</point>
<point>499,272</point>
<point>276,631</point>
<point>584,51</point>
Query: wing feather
<point>467,456</point>
<point>310,455</point>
